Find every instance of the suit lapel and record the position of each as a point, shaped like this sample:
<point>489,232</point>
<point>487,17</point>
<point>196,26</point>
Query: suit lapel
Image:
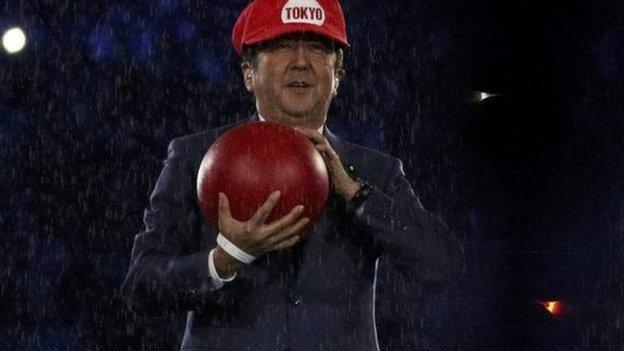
<point>335,142</point>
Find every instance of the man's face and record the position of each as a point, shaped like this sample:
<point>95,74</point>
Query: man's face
<point>294,79</point>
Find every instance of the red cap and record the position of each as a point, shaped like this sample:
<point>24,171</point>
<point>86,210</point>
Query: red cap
<point>267,19</point>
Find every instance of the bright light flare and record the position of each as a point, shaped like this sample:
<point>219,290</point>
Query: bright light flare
<point>483,95</point>
<point>554,307</point>
<point>14,40</point>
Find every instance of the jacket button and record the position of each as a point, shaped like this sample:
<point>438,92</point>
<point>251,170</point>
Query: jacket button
<point>296,300</point>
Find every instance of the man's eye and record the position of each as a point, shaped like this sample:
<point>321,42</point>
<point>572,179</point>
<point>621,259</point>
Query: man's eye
<point>319,47</point>
<point>284,45</point>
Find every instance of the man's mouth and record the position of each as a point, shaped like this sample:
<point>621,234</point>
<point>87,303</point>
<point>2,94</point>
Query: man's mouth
<point>299,84</point>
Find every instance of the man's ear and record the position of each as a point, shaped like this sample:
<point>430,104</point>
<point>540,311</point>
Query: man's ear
<point>337,79</point>
<point>247,70</point>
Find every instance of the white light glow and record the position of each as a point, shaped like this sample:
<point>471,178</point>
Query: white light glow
<point>483,95</point>
<point>14,40</point>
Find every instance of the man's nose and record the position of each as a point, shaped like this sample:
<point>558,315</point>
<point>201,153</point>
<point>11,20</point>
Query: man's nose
<point>301,59</point>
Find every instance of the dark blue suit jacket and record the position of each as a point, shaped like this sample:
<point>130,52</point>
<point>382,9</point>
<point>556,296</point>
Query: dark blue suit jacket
<point>317,295</point>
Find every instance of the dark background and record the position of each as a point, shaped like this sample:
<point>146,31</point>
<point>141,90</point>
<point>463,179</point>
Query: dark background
<point>531,178</point>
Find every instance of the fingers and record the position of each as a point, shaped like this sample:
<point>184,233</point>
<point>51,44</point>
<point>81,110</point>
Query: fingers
<point>288,243</point>
<point>285,221</point>
<point>314,135</point>
<point>288,232</point>
<point>326,151</point>
<point>264,211</point>
<point>224,207</point>
<point>319,141</point>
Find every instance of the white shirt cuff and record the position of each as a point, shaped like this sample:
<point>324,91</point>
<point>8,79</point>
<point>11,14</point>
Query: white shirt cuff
<point>218,281</point>
<point>233,250</point>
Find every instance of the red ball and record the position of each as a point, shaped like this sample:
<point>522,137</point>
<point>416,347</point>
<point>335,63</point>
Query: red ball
<point>251,161</point>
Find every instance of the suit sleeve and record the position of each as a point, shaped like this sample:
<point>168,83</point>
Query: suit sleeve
<point>412,238</point>
<point>166,270</point>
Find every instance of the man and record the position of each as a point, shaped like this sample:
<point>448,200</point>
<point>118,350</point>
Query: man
<point>252,285</point>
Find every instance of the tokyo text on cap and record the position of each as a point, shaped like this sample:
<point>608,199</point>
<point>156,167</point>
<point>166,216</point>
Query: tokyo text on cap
<point>262,20</point>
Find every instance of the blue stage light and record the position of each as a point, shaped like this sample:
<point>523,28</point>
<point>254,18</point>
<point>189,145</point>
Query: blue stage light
<point>168,6</point>
<point>101,43</point>
<point>142,42</point>
<point>210,67</point>
<point>187,31</point>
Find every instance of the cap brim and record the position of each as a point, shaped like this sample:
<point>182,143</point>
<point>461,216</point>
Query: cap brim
<point>285,29</point>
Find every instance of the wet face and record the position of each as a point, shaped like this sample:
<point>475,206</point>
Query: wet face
<point>294,79</point>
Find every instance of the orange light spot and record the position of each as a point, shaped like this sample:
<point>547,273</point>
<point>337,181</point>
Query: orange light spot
<point>554,307</point>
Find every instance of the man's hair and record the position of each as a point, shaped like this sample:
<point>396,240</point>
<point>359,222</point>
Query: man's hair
<point>250,55</point>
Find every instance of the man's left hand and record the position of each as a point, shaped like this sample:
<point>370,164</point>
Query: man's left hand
<point>340,180</point>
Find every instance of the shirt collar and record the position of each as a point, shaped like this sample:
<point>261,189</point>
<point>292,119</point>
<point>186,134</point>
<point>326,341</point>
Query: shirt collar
<point>320,130</point>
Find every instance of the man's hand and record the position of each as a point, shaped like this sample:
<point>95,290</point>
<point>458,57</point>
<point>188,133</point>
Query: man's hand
<point>254,236</point>
<point>341,182</point>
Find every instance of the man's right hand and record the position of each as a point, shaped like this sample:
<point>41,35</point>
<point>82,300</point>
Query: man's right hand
<point>254,236</point>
